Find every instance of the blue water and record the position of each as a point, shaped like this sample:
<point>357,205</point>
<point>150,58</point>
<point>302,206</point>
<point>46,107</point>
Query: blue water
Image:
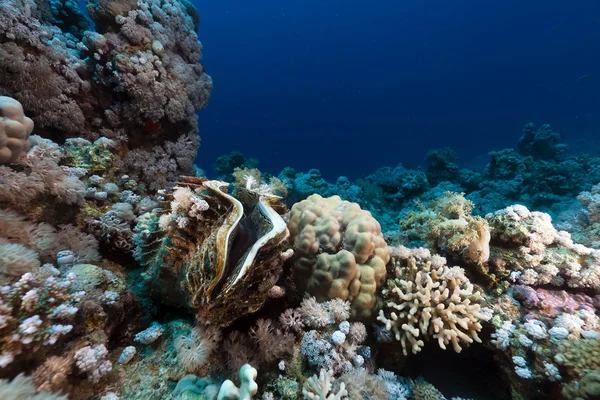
<point>348,86</point>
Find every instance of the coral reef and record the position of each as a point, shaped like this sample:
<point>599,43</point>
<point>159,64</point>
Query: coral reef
<point>136,79</point>
<point>126,273</point>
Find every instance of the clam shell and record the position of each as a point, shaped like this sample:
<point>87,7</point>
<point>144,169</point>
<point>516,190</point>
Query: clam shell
<point>224,264</point>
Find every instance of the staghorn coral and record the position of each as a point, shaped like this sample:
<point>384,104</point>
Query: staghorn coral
<point>15,129</point>
<point>447,224</point>
<point>339,252</point>
<point>426,299</point>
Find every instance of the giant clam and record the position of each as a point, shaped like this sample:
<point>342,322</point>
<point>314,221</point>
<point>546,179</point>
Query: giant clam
<point>212,251</point>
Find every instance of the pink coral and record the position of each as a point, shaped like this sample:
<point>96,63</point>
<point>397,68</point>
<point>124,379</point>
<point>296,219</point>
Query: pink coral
<point>551,303</point>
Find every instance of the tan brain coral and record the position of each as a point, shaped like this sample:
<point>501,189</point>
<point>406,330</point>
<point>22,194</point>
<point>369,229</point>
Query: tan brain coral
<point>339,252</point>
<point>15,129</point>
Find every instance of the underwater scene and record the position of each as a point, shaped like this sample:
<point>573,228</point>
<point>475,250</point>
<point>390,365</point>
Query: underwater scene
<point>358,200</point>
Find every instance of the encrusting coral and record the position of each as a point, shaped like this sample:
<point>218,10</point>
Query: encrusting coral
<point>426,299</point>
<point>339,252</point>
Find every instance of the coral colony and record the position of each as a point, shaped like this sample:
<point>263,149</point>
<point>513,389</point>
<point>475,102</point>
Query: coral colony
<point>126,273</point>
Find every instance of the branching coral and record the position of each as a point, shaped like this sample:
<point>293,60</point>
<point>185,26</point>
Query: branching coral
<point>320,387</point>
<point>429,300</point>
<point>339,252</point>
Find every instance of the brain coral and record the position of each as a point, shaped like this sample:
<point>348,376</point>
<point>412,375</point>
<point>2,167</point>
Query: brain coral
<point>339,252</point>
<point>15,129</point>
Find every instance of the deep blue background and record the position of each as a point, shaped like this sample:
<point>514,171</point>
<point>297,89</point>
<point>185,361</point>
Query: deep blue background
<point>348,86</point>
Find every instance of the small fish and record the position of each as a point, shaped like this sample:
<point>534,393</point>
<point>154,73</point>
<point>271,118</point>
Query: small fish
<point>586,77</point>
